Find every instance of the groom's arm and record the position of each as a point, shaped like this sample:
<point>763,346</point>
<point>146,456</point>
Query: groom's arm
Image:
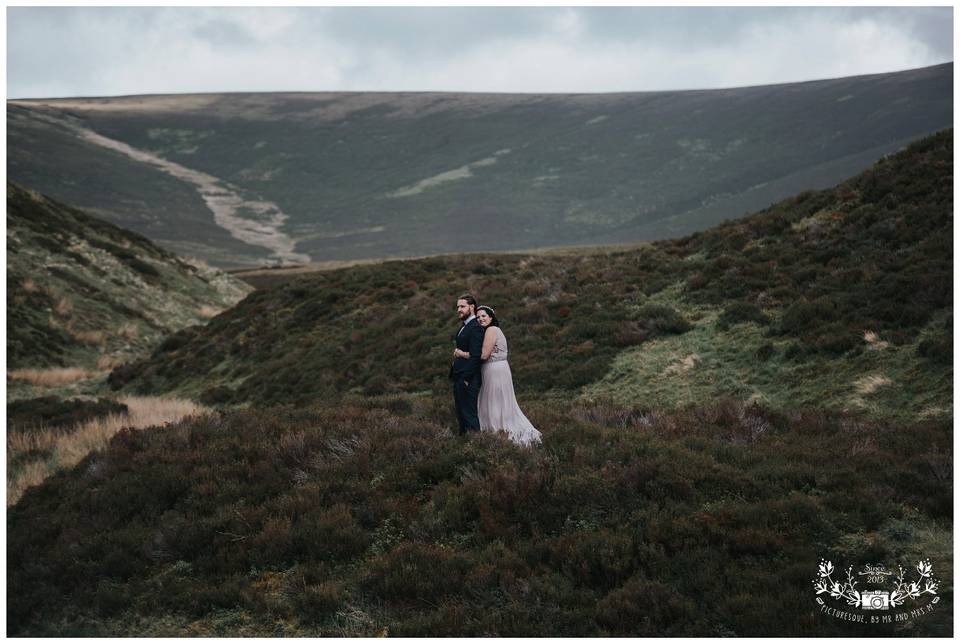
<point>476,347</point>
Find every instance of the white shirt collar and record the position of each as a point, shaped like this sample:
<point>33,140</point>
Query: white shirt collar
<point>465,322</point>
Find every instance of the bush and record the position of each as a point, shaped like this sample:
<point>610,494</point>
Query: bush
<point>121,375</point>
<point>52,412</point>
<point>660,319</point>
<point>333,534</point>
<point>938,349</point>
<point>378,384</point>
<point>142,267</point>
<point>176,341</point>
<point>415,572</point>
<point>319,601</point>
<point>837,340</point>
<point>805,316</point>
<point>216,395</point>
<point>644,607</point>
<point>765,352</point>
<point>741,312</point>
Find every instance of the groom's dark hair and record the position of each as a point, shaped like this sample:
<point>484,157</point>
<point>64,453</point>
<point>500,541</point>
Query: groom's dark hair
<point>470,300</point>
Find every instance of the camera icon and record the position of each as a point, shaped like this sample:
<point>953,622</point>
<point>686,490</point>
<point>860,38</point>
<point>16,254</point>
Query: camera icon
<point>875,600</point>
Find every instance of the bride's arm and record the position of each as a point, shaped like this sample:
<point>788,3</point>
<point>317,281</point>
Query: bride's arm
<point>489,339</point>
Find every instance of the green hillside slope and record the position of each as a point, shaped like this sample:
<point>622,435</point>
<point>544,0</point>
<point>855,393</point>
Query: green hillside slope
<point>365,175</point>
<point>81,290</point>
<point>839,299</point>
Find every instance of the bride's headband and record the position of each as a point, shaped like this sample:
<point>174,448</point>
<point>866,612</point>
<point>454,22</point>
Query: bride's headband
<point>485,307</point>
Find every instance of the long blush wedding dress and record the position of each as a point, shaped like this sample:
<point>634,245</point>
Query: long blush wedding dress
<point>497,405</point>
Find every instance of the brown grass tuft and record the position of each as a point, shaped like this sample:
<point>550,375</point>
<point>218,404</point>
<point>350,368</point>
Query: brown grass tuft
<point>873,340</point>
<point>64,307</point>
<point>54,377</point>
<point>107,363</point>
<point>683,365</point>
<point>89,337</point>
<point>127,331</point>
<point>868,384</point>
<point>67,449</point>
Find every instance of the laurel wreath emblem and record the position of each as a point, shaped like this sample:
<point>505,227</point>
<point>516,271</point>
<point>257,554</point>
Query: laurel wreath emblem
<point>903,589</point>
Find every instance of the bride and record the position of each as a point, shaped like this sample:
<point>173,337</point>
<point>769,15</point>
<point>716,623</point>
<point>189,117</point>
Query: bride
<point>497,405</point>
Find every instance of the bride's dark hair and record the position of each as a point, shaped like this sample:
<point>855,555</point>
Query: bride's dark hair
<point>493,316</point>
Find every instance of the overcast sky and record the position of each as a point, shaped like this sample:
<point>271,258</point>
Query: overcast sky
<point>65,51</point>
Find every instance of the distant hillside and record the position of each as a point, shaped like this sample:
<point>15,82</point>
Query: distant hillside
<point>840,298</point>
<point>246,178</point>
<point>81,290</point>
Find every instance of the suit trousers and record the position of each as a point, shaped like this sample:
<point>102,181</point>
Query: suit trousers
<point>465,397</point>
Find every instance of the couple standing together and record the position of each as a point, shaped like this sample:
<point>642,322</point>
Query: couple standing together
<point>482,383</point>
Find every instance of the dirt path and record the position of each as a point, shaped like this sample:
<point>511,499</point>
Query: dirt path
<point>260,226</point>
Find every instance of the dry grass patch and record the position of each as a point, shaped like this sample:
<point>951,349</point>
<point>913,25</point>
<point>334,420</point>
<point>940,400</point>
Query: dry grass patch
<point>208,311</point>
<point>933,412</point>
<point>108,363</point>
<point>97,338</point>
<point>868,384</point>
<point>873,340</point>
<point>64,307</point>
<point>128,331</point>
<point>63,450</point>
<point>54,377</point>
<point>683,365</point>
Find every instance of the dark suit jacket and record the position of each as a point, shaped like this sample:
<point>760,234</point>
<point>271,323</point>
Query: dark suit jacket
<point>471,341</point>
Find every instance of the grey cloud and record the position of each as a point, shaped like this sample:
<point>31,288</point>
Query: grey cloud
<point>103,51</point>
<point>717,25</point>
<point>223,33</point>
<point>414,31</point>
<point>931,25</point>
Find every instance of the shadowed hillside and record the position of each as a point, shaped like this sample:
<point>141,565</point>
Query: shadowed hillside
<point>335,176</point>
<point>81,291</point>
<point>840,298</point>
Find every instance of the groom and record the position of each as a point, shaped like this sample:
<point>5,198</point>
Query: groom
<point>464,372</point>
